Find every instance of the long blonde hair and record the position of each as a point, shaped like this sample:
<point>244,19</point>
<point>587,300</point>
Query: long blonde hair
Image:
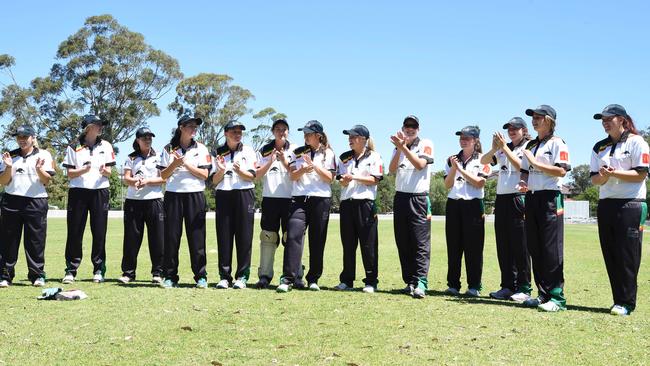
<point>370,144</point>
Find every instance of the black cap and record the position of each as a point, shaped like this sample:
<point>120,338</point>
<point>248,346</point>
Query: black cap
<point>516,122</point>
<point>187,119</point>
<point>544,110</point>
<point>471,131</point>
<point>357,130</point>
<point>611,110</point>
<point>411,120</point>
<point>233,124</point>
<point>92,119</point>
<point>312,126</point>
<point>279,120</point>
<point>24,130</point>
<point>144,131</point>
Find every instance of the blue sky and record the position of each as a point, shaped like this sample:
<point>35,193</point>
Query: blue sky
<point>374,62</point>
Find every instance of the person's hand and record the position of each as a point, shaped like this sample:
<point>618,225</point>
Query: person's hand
<point>499,140</point>
<point>279,155</point>
<point>308,165</point>
<point>455,164</point>
<point>105,170</point>
<point>141,183</point>
<point>86,167</point>
<point>236,167</point>
<point>39,163</point>
<point>221,163</point>
<point>606,171</point>
<point>529,155</point>
<point>522,186</point>
<point>6,159</point>
<point>398,140</point>
<point>177,159</point>
<point>346,179</point>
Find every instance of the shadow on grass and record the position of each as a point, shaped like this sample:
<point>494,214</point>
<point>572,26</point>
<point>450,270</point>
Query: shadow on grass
<point>487,301</point>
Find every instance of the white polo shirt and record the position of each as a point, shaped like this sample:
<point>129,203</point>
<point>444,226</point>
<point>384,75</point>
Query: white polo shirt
<point>245,156</point>
<point>310,184</point>
<point>143,167</point>
<point>509,176</point>
<point>80,154</point>
<point>461,190</point>
<point>24,178</point>
<point>629,153</point>
<point>551,151</point>
<point>276,182</point>
<point>408,179</point>
<point>369,164</point>
<point>181,180</point>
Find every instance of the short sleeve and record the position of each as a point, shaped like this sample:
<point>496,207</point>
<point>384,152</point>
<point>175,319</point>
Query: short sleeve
<point>109,157</point>
<point>427,151</point>
<point>330,160</point>
<point>640,155</point>
<point>594,163</point>
<point>205,159</point>
<point>48,163</point>
<point>447,167</point>
<point>377,167</point>
<point>561,154</point>
<point>70,159</point>
<point>164,159</point>
<point>128,164</point>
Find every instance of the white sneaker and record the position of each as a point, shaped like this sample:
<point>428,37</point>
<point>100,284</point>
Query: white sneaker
<point>124,279</point>
<point>342,287</point>
<point>520,297</point>
<point>39,282</point>
<point>472,292</point>
<point>419,293</point>
<point>156,279</point>
<point>283,287</point>
<point>452,291</point>
<point>239,284</point>
<point>314,287</point>
<point>68,278</point>
<point>549,306</point>
<point>619,310</point>
<point>369,289</point>
<point>98,278</point>
<point>503,294</point>
<point>223,284</point>
<point>4,284</point>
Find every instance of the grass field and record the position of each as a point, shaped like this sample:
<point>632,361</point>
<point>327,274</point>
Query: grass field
<point>143,324</point>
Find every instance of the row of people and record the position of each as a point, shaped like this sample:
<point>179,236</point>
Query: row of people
<point>297,197</point>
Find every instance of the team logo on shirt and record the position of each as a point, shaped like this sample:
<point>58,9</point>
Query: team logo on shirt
<point>20,170</point>
<point>274,169</point>
<point>645,158</point>
<point>486,169</point>
<point>564,156</point>
<point>402,166</point>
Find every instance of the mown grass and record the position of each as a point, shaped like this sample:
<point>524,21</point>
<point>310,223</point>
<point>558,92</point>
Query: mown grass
<point>145,325</point>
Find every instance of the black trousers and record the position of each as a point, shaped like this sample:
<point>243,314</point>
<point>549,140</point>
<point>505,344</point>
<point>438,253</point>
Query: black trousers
<point>359,226</point>
<point>545,239</point>
<point>306,212</point>
<point>137,213</point>
<point>275,215</point>
<point>234,213</point>
<point>412,228</point>
<point>81,202</point>
<point>20,213</point>
<point>512,251</point>
<point>465,232</point>
<point>620,228</point>
<point>191,208</point>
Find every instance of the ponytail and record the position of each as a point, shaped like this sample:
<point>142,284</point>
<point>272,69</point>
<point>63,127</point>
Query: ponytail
<point>628,125</point>
<point>370,144</point>
<point>477,145</point>
<point>176,139</point>
<point>324,141</point>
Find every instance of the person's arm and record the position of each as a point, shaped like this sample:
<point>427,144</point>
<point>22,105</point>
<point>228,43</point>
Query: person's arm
<point>78,172</point>
<point>246,175</point>
<point>450,169</point>
<point>263,168</point>
<point>476,181</point>
<point>552,170</point>
<point>488,157</point>
<point>392,166</point>
<point>128,178</point>
<point>5,176</point>
<point>418,162</point>
<point>44,175</point>
<point>176,162</point>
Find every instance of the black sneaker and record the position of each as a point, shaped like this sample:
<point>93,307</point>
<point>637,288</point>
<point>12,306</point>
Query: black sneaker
<point>262,283</point>
<point>533,303</point>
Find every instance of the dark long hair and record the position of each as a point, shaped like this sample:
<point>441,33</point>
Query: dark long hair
<point>176,138</point>
<point>628,125</point>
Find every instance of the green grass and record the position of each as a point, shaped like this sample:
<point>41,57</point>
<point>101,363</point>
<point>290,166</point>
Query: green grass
<point>143,324</point>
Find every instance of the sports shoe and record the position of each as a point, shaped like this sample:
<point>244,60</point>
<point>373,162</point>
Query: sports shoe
<point>299,284</point>
<point>408,289</point>
<point>503,294</point>
<point>68,278</point>
<point>283,287</point>
<point>369,289</point>
<point>124,279</point>
<point>472,292</point>
<point>4,284</point>
<point>223,284</point>
<point>156,279</point>
<point>532,302</point>
<point>314,287</point>
<point>39,282</point>
<point>239,284</point>
<point>418,293</point>
<point>262,283</point>
<point>167,283</point>
<point>520,297</point>
<point>452,291</point>
<point>202,283</point>
<point>98,278</point>
<point>619,310</point>
<point>549,306</point>
<point>342,287</point>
